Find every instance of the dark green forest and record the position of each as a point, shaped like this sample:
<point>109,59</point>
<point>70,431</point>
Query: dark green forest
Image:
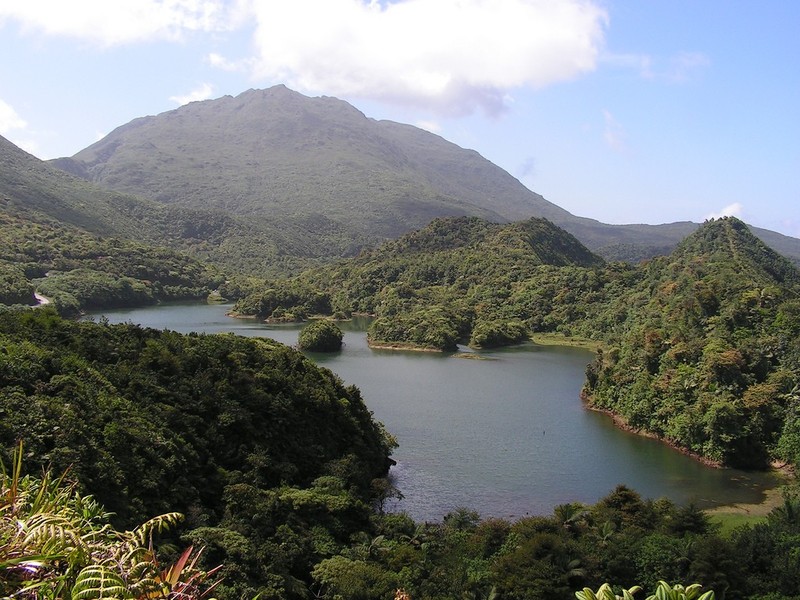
<point>278,470</point>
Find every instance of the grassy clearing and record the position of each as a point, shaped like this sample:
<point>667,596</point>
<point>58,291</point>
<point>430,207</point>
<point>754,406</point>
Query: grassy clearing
<point>557,339</point>
<point>735,515</point>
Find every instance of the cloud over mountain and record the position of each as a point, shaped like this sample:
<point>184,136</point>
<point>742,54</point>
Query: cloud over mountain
<point>451,57</point>
<point>454,56</point>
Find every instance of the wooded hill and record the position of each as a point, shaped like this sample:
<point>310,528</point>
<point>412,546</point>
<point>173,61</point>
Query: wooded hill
<point>264,453</point>
<point>325,181</point>
<point>702,347</point>
<point>709,355</point>
<point>85,247</point>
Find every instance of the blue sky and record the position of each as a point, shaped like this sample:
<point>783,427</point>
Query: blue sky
<point>642,111</point>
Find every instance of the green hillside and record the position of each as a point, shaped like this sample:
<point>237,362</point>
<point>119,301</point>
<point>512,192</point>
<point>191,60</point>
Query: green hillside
<point>226,430</point>
<point>701,348</point>
<point>709,358</point>
<point>84,247</point>
<point>432,288</point>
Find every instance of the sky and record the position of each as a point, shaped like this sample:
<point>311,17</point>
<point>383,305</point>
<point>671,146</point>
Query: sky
<point>626,111</point>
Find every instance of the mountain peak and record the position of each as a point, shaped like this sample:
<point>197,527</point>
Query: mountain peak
<point>729,241</point>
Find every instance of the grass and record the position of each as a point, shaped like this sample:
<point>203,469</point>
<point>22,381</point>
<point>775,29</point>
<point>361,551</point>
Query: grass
<point>557,339</point>
<point>736,515</point>
<point>727,522</point>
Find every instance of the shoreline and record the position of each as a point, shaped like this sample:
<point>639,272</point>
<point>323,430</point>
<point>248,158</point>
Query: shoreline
<point>400,346</point>
<point>621,423</point>
<point>557,339</point>
<point>773,497</point>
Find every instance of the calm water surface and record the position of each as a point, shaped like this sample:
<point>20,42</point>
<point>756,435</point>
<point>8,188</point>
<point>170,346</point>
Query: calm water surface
<point>504,434</point>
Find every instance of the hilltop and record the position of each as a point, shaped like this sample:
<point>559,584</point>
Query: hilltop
<point>434,287</point>
<point>709,355</point>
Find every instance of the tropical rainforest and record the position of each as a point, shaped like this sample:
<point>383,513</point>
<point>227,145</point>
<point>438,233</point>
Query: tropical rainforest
<point>149,464</point>
<point>279,469</point>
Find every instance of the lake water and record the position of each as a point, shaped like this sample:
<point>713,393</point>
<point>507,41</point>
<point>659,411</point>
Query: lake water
<point>503,433</point>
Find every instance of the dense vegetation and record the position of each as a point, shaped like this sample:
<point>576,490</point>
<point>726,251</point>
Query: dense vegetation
<point>270,458</point>
<point>57,543</point>
<point>710,354</point>
<point>320,542</point>
<point>276,465</point>
<point>78,270</point>
<point>320,336</point>
<point>702,348</point>
<point>437,286</point>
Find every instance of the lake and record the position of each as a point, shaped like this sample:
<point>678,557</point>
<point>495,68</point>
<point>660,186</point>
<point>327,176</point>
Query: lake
<point>502,432</point>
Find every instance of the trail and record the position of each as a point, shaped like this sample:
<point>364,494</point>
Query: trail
<point>41,300</point>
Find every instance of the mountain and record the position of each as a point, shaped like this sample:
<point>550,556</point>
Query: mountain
<point>322,169</point>
<point>35,196</point>
<point>278,153</point>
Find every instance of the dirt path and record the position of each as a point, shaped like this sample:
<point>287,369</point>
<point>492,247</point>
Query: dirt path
<point>42,300</point>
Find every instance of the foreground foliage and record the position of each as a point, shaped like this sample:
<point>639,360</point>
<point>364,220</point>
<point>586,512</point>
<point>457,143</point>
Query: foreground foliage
<point>57,543</point>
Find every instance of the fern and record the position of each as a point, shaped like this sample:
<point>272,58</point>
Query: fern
<point>98,581</point>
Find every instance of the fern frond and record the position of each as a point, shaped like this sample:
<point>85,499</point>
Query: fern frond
<point>97,582</point>
<point>156,525</point>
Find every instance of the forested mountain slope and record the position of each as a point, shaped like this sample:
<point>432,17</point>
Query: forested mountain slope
<point>450,281</point>
<point>709,357</point>
<point>333,179</point>
<point>278,153</point>
<point>83,246</point>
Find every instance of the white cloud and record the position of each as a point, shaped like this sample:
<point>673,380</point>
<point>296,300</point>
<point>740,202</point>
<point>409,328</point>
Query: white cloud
<point>451,56</point>
<point>642,63</point>
<point>220,62</point>
<point>614,133</point>
<point>122,21</point>
<point>9,119</point>
<point>12,126</point>
<point>432,126</point>
<point>204,92</point>
<point>686,66</point>
<point>732,210</point>
<point>527,168</point>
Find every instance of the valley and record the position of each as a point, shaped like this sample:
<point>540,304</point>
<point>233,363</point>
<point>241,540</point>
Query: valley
<point>288,208</point>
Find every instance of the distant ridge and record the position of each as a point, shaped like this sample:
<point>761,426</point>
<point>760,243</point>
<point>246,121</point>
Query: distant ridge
<point>342,180</point>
